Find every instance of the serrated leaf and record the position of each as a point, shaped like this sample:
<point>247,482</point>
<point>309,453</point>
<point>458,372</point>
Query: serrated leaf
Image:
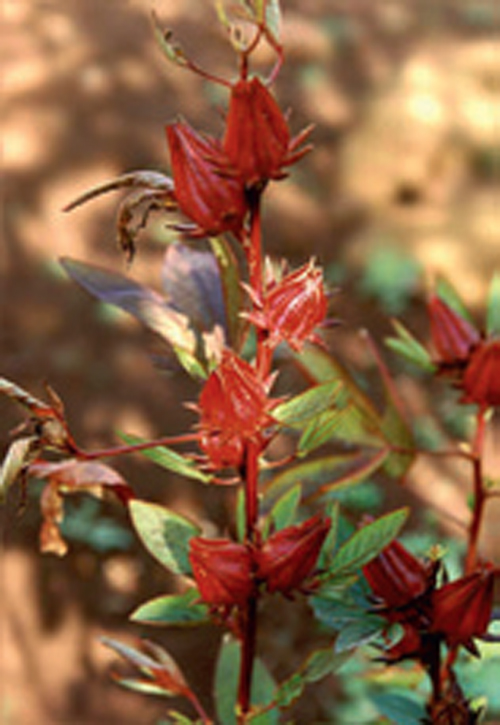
<point>284,510</point>
<point>165,534</point>
<point>226,686</point>
<point>409,347</point>
<point>368,542</point>
<point>493,308</point>
<point>168,458</point>
<point>174,610</point>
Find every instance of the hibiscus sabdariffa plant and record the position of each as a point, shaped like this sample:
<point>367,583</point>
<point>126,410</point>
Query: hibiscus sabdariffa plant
<point>288,536</point>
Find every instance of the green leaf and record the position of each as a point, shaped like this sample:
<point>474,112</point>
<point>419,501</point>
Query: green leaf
<point>165,534</point>
<point>332,510</point>
<point>447,292</point>
<point>226,687</point>
<point>364,468</point>
<point>318,665</point>
<point>493,308</point>
<point>400,708</point>
<point>358,632</point>
<point>347,424</point>
<point>300,409</point>
<point>177,610</point>
<point>168,458</point>
<point>231,287</point>
<point>311,475</point>
<point>409,347</point>
<point>368,542</point>
<point>284,510</point>
<point>171,51</point>
<point>320,367</point>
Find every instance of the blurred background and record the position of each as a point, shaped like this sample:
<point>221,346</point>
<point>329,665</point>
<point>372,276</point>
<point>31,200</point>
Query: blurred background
<point>403,185</point>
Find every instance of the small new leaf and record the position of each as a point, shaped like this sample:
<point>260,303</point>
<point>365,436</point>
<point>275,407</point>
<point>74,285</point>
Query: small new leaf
<point>493,309</point>
<point>409,347</point>
<point>175,610</point>
<point>171,50</point>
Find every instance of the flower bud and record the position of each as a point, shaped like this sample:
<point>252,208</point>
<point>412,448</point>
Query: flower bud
<point>288,557</point>
<point>452,336</point>
<point>213,201</point>
<point>481,380</point>
<point>462,608</point>
<point>257,139</point>
<point>222,570</point>
<point>293,307</point>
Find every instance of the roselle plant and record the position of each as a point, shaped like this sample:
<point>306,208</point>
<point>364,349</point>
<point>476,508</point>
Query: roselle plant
<point>288,537</point>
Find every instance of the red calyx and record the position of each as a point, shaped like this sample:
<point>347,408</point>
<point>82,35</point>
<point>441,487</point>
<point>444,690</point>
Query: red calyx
<point>213,201</point>
<point>222,570</point>
<point>462,608</point>
<point>452,336</point>
<point>293,307</point>
<point>288,557</point>
<point>481,380</point>
<point>234,409</point>
<point>257,139</point>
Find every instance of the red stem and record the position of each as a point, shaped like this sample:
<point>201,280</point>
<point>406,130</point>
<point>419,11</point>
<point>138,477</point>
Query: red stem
<point>144,446</point>
<point>250,472</point>
<point>479,491</point>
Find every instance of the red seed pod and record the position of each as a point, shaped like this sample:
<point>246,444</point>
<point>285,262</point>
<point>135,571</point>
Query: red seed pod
<point>213,201</point>
<point>233,408</point>
<point>222,570</point>
<point>288,557</point>
<point>293,307</point>
<point>257,139</point>
<point>481,380</point>
<point>396,577</point>
<point>234,399</point>
<point>462,608</point>
<point>452,336</point>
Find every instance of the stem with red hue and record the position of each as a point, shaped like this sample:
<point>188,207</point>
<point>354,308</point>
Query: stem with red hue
<point>248,614</point>
<point>479,492</point>
<point>250,469</point>
<point>144,446</point>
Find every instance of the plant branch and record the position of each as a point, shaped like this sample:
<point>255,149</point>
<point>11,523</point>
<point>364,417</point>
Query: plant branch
<point>479,491</point>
